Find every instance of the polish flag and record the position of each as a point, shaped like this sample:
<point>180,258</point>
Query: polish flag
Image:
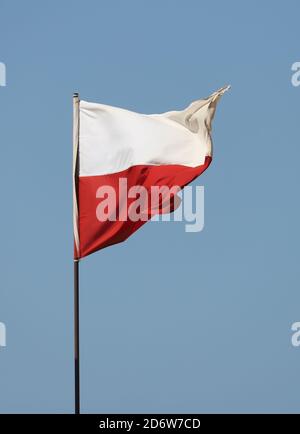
<point>117,149</point>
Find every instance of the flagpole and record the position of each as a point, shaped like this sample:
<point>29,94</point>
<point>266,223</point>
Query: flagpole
<point>76,336</point>
<point>76,240</point>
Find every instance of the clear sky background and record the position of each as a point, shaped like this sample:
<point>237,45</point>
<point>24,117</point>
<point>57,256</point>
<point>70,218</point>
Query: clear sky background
<point>170,321</point>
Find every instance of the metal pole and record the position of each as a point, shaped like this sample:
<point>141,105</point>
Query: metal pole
<point>76,336</point>
<point>76,242</point>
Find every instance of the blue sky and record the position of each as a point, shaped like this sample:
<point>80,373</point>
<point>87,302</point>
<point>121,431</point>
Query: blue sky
<point>170,321</point>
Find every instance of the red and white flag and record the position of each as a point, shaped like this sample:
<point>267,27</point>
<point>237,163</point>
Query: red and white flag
<point>117,151</point>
